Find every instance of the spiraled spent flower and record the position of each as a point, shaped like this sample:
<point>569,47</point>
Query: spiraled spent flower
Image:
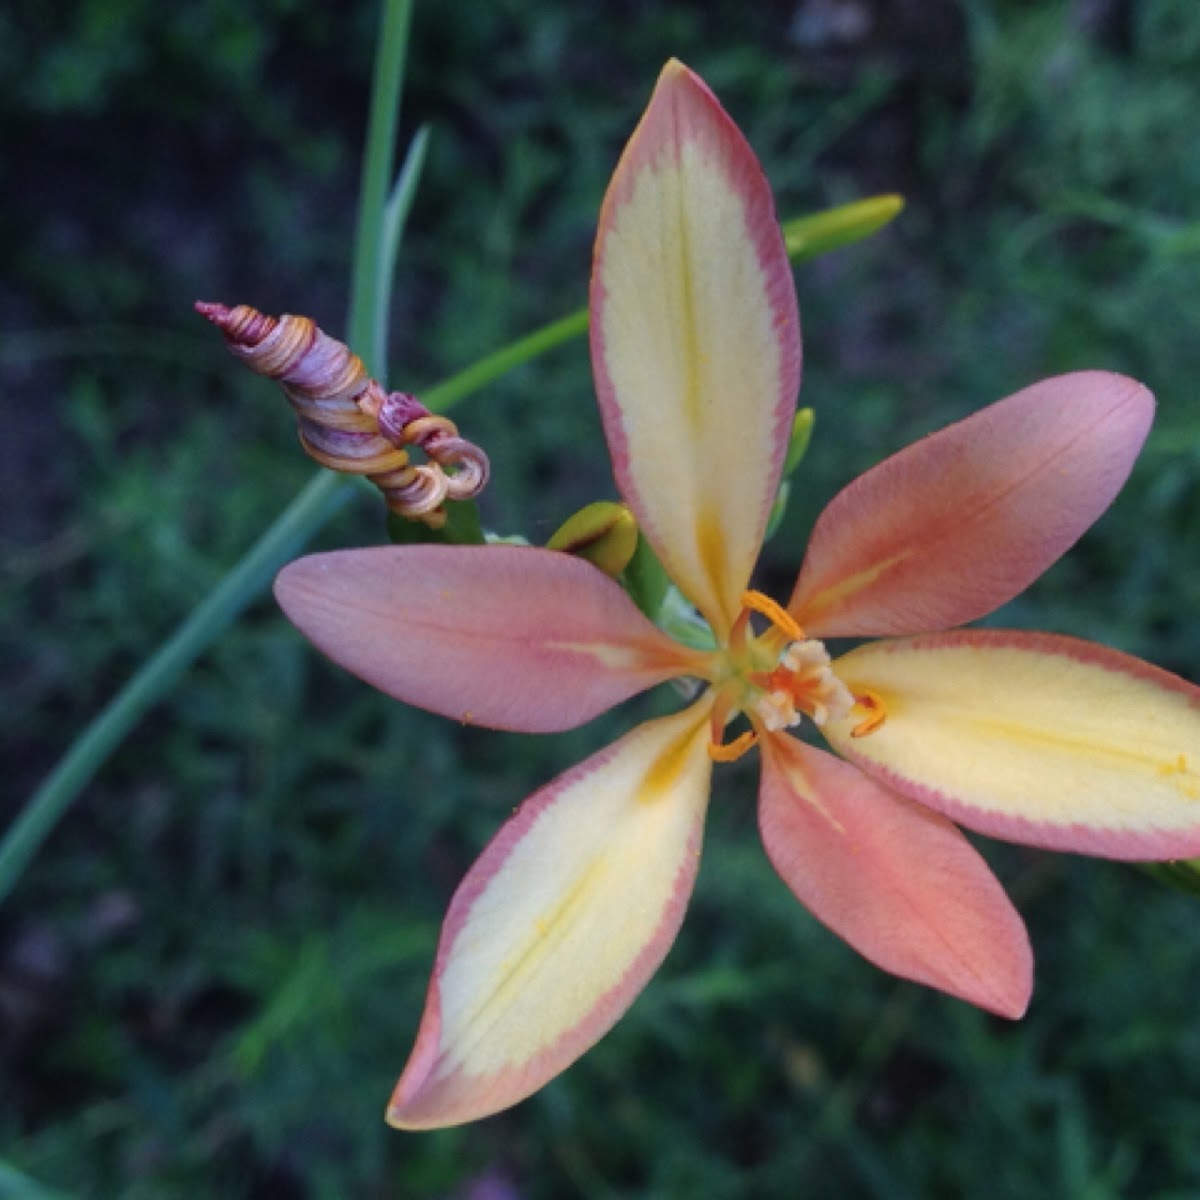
<point>347,422</point>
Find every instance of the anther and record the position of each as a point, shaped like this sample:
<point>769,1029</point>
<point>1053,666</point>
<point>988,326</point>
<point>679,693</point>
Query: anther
<point>775,613</point>
<point>732,751</point>
<point>872,704</point>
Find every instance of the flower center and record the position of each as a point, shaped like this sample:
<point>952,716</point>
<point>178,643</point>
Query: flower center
<point>775,678</point>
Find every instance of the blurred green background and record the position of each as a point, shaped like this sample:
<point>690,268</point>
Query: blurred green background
<point>212,974</point>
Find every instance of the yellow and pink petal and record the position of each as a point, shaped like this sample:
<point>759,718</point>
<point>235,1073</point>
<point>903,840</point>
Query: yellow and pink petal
<point>695,341</point>
<point>898,882</point>
<point>510,637</point>
<point>1034,738</point>
<point>959,523</point>
<point>559,925</point>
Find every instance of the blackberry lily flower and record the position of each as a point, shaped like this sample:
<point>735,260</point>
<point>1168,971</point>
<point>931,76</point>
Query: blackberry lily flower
<point>1036,738</point>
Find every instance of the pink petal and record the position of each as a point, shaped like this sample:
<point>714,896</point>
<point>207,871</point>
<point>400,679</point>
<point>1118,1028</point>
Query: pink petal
<point>509,637</point>
<point>695,341</point>
<point>961,522</point>
<point>898,882</point>
<point>560,924</point>
<point>1033,737</point>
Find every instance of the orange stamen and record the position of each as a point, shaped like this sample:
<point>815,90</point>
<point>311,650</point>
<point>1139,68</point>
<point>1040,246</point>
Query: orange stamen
<point>872,703</point>
<point>731,751</point>
<point>775,613</point>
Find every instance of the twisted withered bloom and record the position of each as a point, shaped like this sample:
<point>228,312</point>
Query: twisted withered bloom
<point>1037,738</point>
<point>345,419</point>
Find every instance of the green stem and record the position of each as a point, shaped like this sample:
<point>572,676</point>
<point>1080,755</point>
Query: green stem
<point>370,286</point>
<point>395,217</point>
<point>516,354</point>
<point>311,508</point>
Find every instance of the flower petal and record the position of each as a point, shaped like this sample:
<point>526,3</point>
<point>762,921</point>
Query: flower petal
<point>961,522</point>
<point>560,924</point>
<point>510,637</point>
<point>695,341</point>
<point>901,884</point>
<point>1035,738</point>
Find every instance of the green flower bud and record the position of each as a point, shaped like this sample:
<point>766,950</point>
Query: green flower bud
<point>605,533</point>
<point>802,431</point>
<point>806,237</point>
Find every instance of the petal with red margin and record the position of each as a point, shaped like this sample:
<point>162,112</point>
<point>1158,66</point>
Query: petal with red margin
<point>1036,738</point>
<point>958,523</point>
<point>695,341</point>
<point>510,637</point>
<point>559,924</point>
<point>901,884</point>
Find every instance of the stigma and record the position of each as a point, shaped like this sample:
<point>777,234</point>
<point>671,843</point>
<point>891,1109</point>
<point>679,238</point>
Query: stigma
<point>803,684</point>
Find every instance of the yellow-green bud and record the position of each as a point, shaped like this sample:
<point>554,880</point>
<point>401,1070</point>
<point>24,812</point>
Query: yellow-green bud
<point>806,237</point>
<point>802,430</point>
<point>604,533</point>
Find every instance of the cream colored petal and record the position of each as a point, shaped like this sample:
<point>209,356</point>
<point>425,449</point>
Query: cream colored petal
<point>1036,738</point>
<point>695,341</point>
<point>559,924</point>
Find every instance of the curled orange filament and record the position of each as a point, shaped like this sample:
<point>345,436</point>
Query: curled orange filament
<point>779,616</point>
<point>720,750</point>
<point>724,752</point>
<point>346,420</point>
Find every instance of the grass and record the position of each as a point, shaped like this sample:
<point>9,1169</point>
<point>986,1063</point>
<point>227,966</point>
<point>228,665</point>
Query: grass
<point>212,974</point>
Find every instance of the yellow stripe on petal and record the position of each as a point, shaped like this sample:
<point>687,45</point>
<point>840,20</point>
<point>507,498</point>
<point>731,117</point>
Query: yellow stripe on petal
<point>695,341</point>
<point>1035,738</point>
<point>560,924</point>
